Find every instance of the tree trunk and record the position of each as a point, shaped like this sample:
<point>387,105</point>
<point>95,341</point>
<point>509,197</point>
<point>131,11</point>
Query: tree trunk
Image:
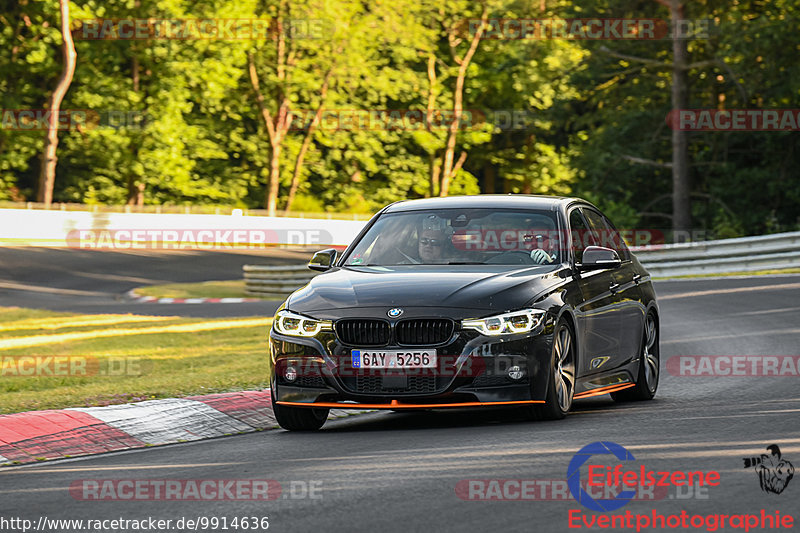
<point>274,178</point>
<point>276,131</point>
<point>298,167</point>
<point>450,148</point>
<point>47,174</point>
<point>278,126</point>
<point>458,96</point>
<point>135,71</point>
<point>135,190</point>
<point>434,164</point>
<point>135,193</point>
<point>681,189</point>
<point>507,185</point>
<point>489,175</point>
<point>435,172</point>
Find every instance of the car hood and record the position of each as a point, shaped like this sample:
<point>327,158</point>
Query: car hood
<point>348,291</point>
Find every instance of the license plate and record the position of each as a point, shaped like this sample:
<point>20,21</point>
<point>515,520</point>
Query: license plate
<point>393,358</point>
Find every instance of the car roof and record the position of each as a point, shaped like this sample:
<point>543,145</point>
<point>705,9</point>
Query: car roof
<point>507,201</point>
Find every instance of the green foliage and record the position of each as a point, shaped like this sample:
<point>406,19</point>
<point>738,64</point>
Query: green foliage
<point>308,204</point>
<point>589,118</point>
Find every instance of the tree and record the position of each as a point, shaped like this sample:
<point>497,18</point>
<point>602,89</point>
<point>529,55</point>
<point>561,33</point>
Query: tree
<point>47,174</point>
<point>681,187</point>
<point>277,126</point>
<point>624,95</point>
<point>291,54</point>
<point>27,36</point>
<point>594,112</point>
<point>449,168</point>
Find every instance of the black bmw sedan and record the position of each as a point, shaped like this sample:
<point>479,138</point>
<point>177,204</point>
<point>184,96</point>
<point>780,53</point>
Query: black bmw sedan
<point>491,300</point>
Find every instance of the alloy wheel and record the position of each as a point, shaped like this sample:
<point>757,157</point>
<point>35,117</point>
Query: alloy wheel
<point>564,367</point>
<point>650,355</point>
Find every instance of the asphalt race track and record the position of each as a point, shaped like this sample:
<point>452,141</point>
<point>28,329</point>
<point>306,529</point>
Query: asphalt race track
<point>400,471</point>
<point>95,281</point>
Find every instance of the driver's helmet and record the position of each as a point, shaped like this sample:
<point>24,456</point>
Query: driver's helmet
<point>435,223</point>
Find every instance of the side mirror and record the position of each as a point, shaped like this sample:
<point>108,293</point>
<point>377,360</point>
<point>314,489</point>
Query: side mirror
<point>598,258</point>
<point>323,260</point>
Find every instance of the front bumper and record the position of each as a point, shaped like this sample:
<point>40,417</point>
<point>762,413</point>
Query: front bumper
<point>473,371</point>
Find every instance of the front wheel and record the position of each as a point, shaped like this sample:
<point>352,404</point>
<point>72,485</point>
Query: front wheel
<point>649,362</point>
<point>561,382</point>
<point>299,418</point>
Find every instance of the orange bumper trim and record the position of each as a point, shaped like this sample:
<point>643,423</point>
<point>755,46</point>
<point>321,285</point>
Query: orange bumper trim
<point>397,405</point>
<point>603,390</point>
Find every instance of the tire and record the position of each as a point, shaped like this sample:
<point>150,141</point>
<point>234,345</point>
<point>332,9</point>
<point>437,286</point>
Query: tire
<point>649,365</point>
<point>561,379</point>
<point>299,418</point>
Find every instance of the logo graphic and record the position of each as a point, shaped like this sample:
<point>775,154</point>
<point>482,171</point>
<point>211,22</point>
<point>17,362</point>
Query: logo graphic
<point>774,472</point>
<point>394,312</point>
<point>597,362</point>
<point>574,476</point>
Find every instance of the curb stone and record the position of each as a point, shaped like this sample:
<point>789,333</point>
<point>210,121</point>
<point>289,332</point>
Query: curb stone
<point>55,434</point>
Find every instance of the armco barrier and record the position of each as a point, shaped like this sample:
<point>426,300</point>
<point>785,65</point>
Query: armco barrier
<point>276,282</point>
<point>746,254</point>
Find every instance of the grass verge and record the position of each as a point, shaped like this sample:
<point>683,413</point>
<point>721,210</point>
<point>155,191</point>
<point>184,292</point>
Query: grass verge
<point>121,358</point>
<point>206,289</point>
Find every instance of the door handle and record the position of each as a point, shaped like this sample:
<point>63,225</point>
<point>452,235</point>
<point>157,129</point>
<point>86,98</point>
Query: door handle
<point>613,288</point>
<point>637,279</point>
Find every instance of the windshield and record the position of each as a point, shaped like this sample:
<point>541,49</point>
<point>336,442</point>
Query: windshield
<point>459,236</point>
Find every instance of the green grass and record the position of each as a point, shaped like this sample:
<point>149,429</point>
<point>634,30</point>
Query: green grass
<point>756,273</point>
<point>130,358</point>
<point>207,289</point>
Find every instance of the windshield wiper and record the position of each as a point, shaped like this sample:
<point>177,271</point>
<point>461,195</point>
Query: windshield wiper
<point>466,263</point>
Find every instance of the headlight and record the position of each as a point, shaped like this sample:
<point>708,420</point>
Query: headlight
<point>515,322</point>
<point>289,323</point>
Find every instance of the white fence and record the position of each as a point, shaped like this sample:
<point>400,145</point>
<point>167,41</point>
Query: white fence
<point>84,229</point>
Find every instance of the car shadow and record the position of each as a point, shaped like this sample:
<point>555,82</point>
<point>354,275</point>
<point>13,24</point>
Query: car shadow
<point>462,418</point>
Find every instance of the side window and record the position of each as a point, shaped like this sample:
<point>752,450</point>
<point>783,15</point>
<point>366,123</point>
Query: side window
<point>605,233</point>
<point>621,247</point>
<point>581,236</point>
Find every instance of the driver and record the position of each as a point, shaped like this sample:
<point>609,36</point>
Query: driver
<point>431,243</point>
<point>541,243</point>
<point>540,257</point>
